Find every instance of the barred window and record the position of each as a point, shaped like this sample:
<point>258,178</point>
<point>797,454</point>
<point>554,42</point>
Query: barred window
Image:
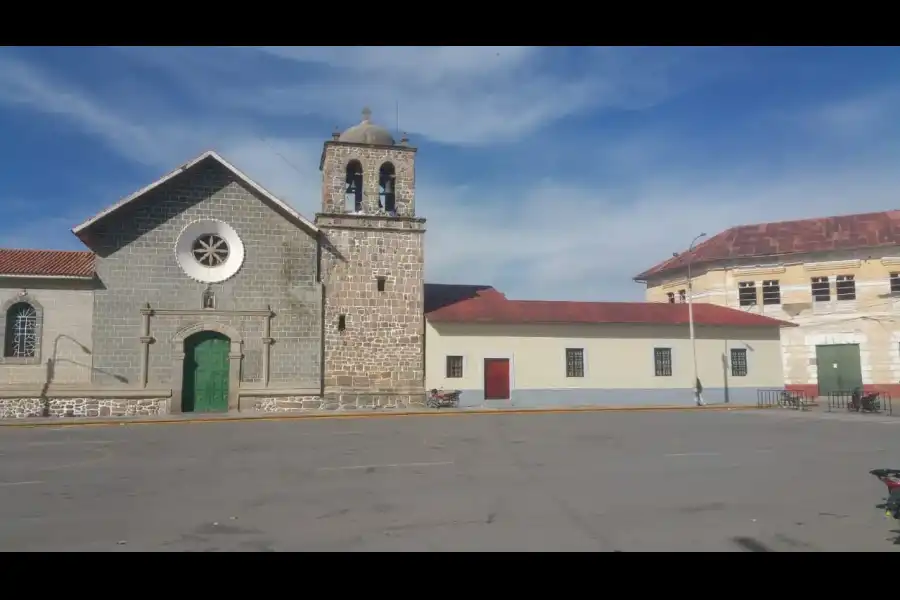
<point>895,283</point>
<point>771,292</point>
<point>21,331</point>
<point>738,362</point>
<point>574,362</point>
<point>821,292</point>
<point>662,359</point>
<point>747,293</point>
<point>454,367</point>
<point>845,287</point>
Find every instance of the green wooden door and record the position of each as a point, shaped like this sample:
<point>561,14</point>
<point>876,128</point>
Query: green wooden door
<point>839,368</point>
<point>205,383</point>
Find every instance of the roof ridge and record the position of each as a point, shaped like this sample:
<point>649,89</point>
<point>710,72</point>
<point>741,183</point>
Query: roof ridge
<point>807,219</point>
<point>788,237</point>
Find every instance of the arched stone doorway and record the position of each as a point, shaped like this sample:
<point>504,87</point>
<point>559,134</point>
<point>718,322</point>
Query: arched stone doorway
<point>206,369</point>
<point>198,369</point>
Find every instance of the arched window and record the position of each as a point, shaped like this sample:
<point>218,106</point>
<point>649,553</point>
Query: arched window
<point>21,331</point>
<point>353,195</point>
<point>386,179</point>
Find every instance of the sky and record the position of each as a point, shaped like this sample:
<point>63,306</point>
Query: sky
<point>550,173</point>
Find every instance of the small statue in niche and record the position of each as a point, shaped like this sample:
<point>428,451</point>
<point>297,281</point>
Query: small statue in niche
<point>209,299</point>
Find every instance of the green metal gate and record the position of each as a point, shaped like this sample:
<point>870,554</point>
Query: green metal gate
<point>839,368</point>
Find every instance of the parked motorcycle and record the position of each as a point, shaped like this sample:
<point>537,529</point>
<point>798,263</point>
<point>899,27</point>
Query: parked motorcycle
<point>442,399</point>
<point>890,478</point>
<point>860,402</point>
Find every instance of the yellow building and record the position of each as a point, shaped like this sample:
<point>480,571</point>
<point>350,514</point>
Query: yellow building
<point>502,352</point>
<point>836,278</point>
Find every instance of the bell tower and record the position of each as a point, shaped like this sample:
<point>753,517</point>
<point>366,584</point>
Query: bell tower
<point>372,270</point>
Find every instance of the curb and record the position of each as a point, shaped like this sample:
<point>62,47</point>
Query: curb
<point>112,421</point>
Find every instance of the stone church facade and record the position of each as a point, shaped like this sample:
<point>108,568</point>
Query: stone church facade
<point>204,292</point>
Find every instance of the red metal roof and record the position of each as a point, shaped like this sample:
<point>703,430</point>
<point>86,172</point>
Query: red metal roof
<point>487,305</point>
<point>847,232</point>
<point>47,263</point>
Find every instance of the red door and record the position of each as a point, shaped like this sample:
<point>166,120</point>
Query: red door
<point>496,379</point>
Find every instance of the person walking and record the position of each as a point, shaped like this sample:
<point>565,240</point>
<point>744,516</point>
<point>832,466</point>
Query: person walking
<point>699,392</point>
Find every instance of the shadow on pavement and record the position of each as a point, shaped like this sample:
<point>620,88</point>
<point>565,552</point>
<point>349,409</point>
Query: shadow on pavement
<point>751,545</point>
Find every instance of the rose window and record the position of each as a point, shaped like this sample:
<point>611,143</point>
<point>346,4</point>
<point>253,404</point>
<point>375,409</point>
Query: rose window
<point>210,250</point>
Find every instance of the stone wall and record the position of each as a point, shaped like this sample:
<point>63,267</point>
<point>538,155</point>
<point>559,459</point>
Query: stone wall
<point>54,406</point>
<point>381,344</point>
<point>24,408</point>
<point>337,155</point>
<point>336,402</point>
<point>373,338</point>
<point>137,265</point>
<point>65,312</point>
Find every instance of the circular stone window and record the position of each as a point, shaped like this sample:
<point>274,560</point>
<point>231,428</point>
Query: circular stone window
<point>209,251</point>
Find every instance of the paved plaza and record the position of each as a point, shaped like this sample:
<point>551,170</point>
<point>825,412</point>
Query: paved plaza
<point>654,481</point>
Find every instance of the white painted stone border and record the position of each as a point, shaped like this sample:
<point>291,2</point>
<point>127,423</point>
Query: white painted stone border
<point>196,271</point>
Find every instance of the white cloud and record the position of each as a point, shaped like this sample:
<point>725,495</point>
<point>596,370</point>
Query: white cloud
<point>452,95</point>
<point>571,243</point>
<point>857,115</point>
<point>534,234</point>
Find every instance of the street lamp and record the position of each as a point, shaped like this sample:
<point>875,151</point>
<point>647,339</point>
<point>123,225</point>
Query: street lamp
<point>690,300</point>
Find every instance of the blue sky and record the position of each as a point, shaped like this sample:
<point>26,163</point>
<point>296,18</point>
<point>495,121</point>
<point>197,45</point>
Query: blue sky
<point>551,173</point>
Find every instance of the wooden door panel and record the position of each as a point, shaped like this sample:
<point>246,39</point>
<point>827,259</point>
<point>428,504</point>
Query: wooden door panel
<point>496,379</point>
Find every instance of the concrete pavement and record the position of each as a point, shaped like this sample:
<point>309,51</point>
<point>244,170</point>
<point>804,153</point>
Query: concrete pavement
<point>611,481</point>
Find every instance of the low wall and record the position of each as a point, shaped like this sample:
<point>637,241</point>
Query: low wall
<point>93,402</point>
<point>330,402</point>
<point>113,403</point>
<point>568,398</point>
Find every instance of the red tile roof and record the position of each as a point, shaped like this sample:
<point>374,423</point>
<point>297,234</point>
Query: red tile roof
<point>847,232</point>
<point>48,263</point>
<point>487,305</point>
<point>439,295</point>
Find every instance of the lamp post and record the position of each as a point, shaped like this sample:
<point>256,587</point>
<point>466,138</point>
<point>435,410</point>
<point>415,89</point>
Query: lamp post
<point>690,300</point>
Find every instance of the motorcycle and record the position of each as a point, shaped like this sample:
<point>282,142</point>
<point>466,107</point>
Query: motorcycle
<point>443,399</point>
<point>890,478</point>
<point>864,402</point>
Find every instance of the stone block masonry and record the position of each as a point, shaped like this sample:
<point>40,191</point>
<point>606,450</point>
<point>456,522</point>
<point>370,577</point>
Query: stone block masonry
<point>29,407</point>
<point>336,157</point>
<point>64,316</point>
<point>372,270</point>
<point>374,304</point>
<point>137,265</point>
<point>335,402</point>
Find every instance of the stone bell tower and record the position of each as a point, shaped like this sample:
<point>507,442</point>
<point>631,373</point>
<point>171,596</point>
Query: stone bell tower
<point>372,268</point>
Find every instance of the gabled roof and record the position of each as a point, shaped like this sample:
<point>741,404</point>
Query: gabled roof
<point>490,306</point>
<point>770,240</point>
<point>46,263</point>
<point>210,154</point>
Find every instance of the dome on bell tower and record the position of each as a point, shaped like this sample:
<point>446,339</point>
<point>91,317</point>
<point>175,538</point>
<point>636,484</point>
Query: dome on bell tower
<point>366,132</point>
